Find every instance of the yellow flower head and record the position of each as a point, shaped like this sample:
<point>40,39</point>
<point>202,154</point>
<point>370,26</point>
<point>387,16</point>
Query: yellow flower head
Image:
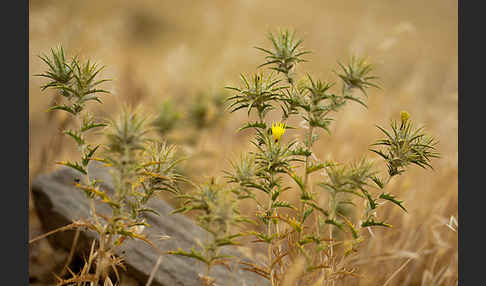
<point>404,116</point>
<point>278,129</point>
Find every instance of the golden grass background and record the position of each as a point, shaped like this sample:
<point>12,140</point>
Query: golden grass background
<point>159,49</point>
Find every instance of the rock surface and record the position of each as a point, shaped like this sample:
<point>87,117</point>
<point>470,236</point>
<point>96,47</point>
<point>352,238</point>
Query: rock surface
<point>59,203</point>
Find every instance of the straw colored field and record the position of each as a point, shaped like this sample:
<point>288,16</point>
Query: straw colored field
<point>156,50</point>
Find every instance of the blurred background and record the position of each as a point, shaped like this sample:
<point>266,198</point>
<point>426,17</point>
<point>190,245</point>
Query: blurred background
<point>175,57</point>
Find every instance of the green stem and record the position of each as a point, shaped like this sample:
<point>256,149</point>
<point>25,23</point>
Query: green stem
<point>332,214</point>
<point>273,212</point>
<point>260,117</point>
<point>270,245</point>
<point>307,161</point>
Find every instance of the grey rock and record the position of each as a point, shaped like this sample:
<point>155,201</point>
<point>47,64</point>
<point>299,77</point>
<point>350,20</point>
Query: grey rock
<point>58,203</point>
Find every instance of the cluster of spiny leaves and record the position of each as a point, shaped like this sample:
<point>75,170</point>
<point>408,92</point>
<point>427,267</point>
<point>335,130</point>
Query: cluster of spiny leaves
<point>74,80</point>
<point>257,93</point>
<point>285,53</point>
<point>311,230</point>
<point>406,145</point>
<point>141,167</point>
<point>77,83</point>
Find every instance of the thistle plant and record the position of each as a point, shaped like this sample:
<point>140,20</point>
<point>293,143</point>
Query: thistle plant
<point>321,235</point>
<point>140,166</point>
<point>217,212</point>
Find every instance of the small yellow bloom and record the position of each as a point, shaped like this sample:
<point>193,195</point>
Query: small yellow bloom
<point>278,129</point>
<point>404,116</point>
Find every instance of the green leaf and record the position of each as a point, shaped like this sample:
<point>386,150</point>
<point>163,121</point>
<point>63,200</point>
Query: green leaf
<point>283,204</point>
<point>193,254</point>
<point>275,194</point>
<point>393,199</point>
<point>372,222</point>
<point>150,210</point>
<point>63,107</point>
<point>228,240</point>
<point>76,136</point>
<point>87,157</point>
<point>350,226</point>
<point>316,167</point>
<point>297,179</point>
<point>91,125</point>
<point>247,220</point>
<point>306,214</point>
<point>334,222</point>
<point>260,125</point>
<point>262,236</point>
<point>378,182</point>
<point>74,166</point>
<point>179,210</point>
<point>355,99</point>
<point>309,239</point>
<point>313,205</point>
<point>370,199</point>
<point>385,132</point>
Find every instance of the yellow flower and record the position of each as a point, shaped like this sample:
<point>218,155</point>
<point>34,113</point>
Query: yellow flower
<point>278,129</point>
<point>404,116</point>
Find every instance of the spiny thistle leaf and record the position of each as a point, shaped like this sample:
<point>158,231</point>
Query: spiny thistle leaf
<point>88,155</point>
<point>260,125</point>
<point>316,207</point>
<point>90,125</point>
<point>78,137</point>
<point>371,201</point>
<point>262,237</point>
<point>350,225</point>
<point>150,210</point>
<point>306,214</point>
<point>297,179</point>
<point>391,198</point>
<point>310,239</point>
<point>74,166</point>
<point>315,167</point>
<point>292,222</point>
<point>334,222</point>
<point>372,222</point>
<point>64,108</point>
<point>94,191</point>
<point>378,182</point>
<point>193,254</point>
<point>283,204</point>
